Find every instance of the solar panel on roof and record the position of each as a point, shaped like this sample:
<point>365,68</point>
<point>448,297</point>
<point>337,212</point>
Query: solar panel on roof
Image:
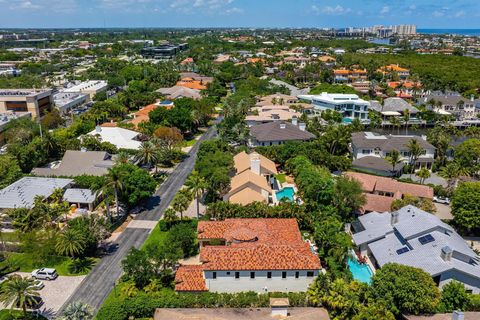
<point>426,239</point>
<point>402,250</point>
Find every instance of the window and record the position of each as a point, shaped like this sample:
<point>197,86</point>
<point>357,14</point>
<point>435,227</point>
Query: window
<point>237,275</point>
<point>402,250</point>
<point>252,275</point>
<point>269,275</point>
<point>214,275</point>
<point>426,239</point>
<point>284,274</point>
<point>309,274</point>
<point>228,273</point>
<point>297,274</point>
<point>366,151</point>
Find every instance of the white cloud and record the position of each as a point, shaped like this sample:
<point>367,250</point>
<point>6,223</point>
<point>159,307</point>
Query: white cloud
<point>438,14</point>
<point>385,10</point>
<point>329,10</point>
<point>460,13</point>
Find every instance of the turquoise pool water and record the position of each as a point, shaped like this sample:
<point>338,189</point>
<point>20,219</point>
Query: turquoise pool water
<point>360,272</point>
<point>285,193</point>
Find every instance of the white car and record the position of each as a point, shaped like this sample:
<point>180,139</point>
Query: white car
<point>44,274</point>
<point>443,200</point>
<point>38,285</point>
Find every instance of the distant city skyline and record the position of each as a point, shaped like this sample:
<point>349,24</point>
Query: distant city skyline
<point>459,14</point>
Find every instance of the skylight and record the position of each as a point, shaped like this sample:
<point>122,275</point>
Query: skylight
<point>426,239</point>
<point>402,250</point>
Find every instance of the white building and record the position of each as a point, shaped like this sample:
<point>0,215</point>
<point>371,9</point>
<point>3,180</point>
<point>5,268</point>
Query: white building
<point>350,106</point>
<point>91,87</point>
<point>66,101</point>
<point>119,137</point>
<point>260,255</point>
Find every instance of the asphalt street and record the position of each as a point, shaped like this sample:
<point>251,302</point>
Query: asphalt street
<point>97,285</point>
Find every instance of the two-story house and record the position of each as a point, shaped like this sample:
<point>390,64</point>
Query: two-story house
<point>453,104</point>
<point>260,255</point>
<point>368,145</point>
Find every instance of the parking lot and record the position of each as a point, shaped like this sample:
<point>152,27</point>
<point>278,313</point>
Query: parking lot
<point>56,292</point>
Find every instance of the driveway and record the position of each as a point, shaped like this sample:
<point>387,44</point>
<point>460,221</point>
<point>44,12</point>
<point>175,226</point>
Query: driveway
<point>434,179</point>
<point>444,211</point>
<point>101,280</point>
<point>56,292</point>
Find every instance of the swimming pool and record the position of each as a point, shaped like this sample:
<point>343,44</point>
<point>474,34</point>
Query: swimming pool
<point>360,272</point>
<point>286,192</point>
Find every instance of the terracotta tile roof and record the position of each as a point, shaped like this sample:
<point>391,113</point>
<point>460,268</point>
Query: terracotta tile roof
<point>259,257</point>
<point>278,231</point>
<point>191,83</point>
<point>377,203</point>
<point>242,162</point>
<point>190,278</point>
<point>341,71</point>
<point>142,114</point>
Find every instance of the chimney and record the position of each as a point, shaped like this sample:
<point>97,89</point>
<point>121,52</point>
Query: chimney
<point>294,121</point>
<point>255,163</point>
<point>98,129</point>
<point>283,125</point>
<point>83,149</point>
<point>279,307</point>
<point>302,126</point>
<point>472,98</point>
<point>458,315</point>
<point>394,217</point>
<point>446,254</point>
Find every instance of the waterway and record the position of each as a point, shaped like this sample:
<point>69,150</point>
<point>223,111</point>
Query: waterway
<point>463,32</point>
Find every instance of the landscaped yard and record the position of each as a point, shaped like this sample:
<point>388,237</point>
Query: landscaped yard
<point>15,314</point>
<point>281,177</point>
<point>63,265</point>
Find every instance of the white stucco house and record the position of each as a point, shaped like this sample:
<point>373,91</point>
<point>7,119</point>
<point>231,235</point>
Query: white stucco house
<point>260,255</point>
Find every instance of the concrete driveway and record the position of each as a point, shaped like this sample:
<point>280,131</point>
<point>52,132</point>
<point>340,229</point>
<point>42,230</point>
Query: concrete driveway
<point>56,292</point>
<point>444,211</point>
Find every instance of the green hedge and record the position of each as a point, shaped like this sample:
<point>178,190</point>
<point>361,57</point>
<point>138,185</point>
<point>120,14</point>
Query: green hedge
<point>144,305</point>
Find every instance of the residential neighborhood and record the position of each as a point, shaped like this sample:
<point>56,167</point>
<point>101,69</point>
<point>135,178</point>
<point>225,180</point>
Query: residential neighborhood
<point>239,173</point>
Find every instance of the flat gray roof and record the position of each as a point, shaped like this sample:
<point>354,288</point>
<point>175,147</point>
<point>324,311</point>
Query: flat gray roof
<point>22,193</point>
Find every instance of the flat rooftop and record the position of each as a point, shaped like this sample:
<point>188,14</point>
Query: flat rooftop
<point>238,314</point>
<point>88,85</point>
<point>22,92</point>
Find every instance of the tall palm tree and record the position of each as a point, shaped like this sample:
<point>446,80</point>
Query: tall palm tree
<point>452,171</point>
<point>180,203</point>
<point>147,154</point>
<point>423,174</point>
<point>394,158</point>
<point>114,180</point>
<point>77,311</point>
<point>122,157</point>
<point>395,123</point>
<point>406,118</point>
<point>104,191</point>
<point>70,242</point>
<point>416,151</point>
<point>196,184</point>
<point>17,291</point>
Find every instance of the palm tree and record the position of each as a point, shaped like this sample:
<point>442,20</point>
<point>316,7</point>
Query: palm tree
<point>147,154</point>
<point>394,158</point>
<point>170,215</point>
<point>196,184</point>
<point>395,123</point>
<point>77,311</point>
<point>416,151</point>
<point>105,191</point>
<point>122,157</point>
<point>17,291</point>
<point>452,171</point>
<point>423,174</point>
<point>180,203</point>
<point>70,242</point>
<point>114,180</point>
<point>406,118</point>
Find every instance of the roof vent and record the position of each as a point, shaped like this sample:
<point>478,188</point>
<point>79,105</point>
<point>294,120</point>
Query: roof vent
<point>446,253</point>
<point>279,307</point>
<point>283,125</point>
<point>458,315</point>
<point>394,217</point>
<point>302,126</point>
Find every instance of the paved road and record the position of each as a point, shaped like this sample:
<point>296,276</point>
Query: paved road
<point>98,284</point>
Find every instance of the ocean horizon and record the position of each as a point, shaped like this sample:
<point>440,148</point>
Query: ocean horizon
<point>465,32</point>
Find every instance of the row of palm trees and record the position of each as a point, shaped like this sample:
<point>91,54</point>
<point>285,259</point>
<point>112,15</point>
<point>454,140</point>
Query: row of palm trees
<point>20,292</point>
<point>415,150</point>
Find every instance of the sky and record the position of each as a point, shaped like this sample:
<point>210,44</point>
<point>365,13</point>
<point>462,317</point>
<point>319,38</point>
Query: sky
<point>238,13</point>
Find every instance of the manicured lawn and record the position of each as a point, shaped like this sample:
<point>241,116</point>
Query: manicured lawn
<point>15,314</point>
<point>157,236</point>
<point>61,264</point>
<point>281,177</point>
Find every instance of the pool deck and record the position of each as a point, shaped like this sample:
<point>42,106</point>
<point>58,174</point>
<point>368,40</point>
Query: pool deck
<point>283,186</point>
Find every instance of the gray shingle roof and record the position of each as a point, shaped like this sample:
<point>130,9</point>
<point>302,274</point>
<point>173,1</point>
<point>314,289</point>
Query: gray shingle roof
<point>386,142</point>
<point>377,163</point>
<point>393,104</point>
<point>79,196</point>
<point>76,163</point>
<point>22,193</point>
<point>273,131</point>
<point>384,240</point>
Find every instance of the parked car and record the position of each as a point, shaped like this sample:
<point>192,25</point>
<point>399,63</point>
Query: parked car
<point>38,285</point>
<point>45,274</point>
<point>443,200</point>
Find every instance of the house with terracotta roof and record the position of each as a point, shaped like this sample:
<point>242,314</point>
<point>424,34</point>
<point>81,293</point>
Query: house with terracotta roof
<point>277,99</point>
<point>271,113</point>
<point>394,69</point>
<point>177,92</point>
<point>191,83</point>
<point>405,89</point>
<point>260,255</point>
<point>253,180</point>
<point>346,75</point>
<point>380,192</point>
